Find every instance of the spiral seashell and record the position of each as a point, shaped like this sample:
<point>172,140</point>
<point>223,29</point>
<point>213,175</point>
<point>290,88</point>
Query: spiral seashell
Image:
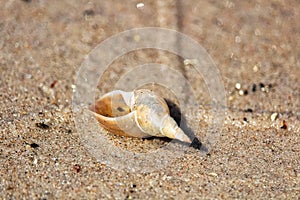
<point>140,113</point>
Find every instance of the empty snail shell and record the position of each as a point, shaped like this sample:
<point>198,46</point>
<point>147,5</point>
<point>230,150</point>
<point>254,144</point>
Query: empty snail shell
<point>140,113</point>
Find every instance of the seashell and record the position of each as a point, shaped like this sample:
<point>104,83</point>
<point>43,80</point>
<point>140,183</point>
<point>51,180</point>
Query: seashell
<point>140,113</point>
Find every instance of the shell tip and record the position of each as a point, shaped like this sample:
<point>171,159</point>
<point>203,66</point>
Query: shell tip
<point>183,138</point>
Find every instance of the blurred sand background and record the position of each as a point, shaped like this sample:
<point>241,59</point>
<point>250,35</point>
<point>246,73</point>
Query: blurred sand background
<point>254,44</point>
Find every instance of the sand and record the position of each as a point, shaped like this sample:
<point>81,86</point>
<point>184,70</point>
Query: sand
<point>255,46</point>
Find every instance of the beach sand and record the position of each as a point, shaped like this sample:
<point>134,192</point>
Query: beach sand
<point>255,46</point>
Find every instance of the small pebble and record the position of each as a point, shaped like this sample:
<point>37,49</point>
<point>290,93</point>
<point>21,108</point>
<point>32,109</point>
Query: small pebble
<point>284,125</point>
<point>28,147</point>
<point>254,87</point>
<point>255,68</point>
<point>140,5</point>
<point>129,197</point>
<point>73,88</point>
<point>77,168</point>
<point>238,86</point>
<point>34,145</point>
<point>27,76</point>
<point>53,84</point>
<point>237,39</point>
<point>42,125</point>
<point>274,116</point>
<point>249,110</point>
<point>88,12</point>
<point>262,86</point>
<point>213,174</point>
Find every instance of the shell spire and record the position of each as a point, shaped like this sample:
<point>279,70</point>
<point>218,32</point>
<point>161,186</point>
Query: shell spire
<point>171,130</point>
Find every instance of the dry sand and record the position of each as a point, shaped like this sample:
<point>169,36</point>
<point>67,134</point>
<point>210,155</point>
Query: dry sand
<point>42,45</point>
